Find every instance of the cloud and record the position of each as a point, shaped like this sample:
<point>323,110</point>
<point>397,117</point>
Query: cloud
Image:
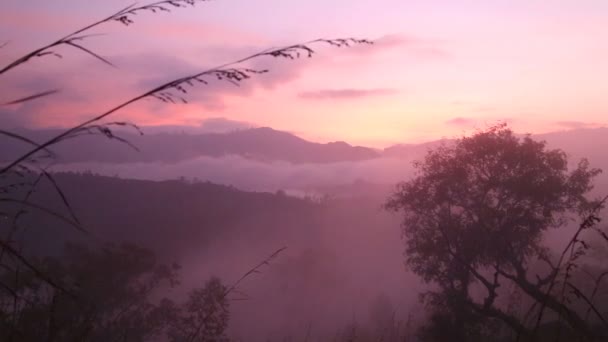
<point>416,46</point>
<point>212,96</point>
<point>32,20</point>
<point>96,87</point>
<point>212,33</point>
<point>10,119</point>
<point>460,121</point>
<point>484,109</point>
<point>77,94</point>
<point>394,40</point>
<point>221,125</point>
<point>209,125</point>
<point>345,94</point>
<point>256,175</point>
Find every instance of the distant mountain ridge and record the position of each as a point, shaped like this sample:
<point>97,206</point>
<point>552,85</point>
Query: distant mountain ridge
<point>266,145</point>
<point>410,150</point>
<point>263,144</point>
<point>583,142</point>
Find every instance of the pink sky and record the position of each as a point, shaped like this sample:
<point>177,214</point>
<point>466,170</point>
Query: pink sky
<point>440,68</point>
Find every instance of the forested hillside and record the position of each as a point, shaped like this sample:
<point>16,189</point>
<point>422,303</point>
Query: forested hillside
<point>334,246</point>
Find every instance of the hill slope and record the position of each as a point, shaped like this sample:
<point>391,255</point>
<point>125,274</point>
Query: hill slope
<point>259,143</point>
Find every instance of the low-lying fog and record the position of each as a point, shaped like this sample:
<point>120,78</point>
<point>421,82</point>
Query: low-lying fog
<point>253,175</point>
<point>344,262</point>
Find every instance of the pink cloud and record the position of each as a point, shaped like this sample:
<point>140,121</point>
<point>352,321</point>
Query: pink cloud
<point>417,46</point>
<point>206,32</point>
<point>96,87</point>
<point>344,94</point>
<point>461,121</point>
<point>32,20</point>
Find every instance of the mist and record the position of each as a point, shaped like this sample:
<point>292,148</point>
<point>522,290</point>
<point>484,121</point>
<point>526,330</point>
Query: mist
<point>253,175</point>
<point>281,171</point>
<point>345,257</point>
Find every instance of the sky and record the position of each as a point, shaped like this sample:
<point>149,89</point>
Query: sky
<point>437,68</point>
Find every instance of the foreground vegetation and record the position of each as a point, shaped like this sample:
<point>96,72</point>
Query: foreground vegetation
<point>474,219</point>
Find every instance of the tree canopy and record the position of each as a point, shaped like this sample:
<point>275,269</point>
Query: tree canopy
<point>112,296</point>
<point>476,211</point>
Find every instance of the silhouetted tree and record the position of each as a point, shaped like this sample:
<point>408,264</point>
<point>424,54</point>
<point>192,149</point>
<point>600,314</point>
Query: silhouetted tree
<point>473,218</point>
<point>204,317</point>
<point>113,297</point>
<point>110,297</point>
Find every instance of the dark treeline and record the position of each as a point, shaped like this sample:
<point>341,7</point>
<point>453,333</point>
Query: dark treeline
<point>167,216</point>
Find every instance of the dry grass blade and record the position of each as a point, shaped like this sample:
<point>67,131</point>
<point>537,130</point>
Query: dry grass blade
<point>20,212</point>
<point>31,97</point>
<point>46,211</point>
<point>234,287</point>
<point>64,199</point>
<point>579,294</point>
<point>255,269</point>
<point>26,198</point>
<point>596,287</point>
<point>159,6</point>
<point>234,75</point>
<point>588,222</point>
<point>123,16</point>
<point>71,43</point>
<point>126,124</point>
<point>24,139</point>
<point>225,71</point>
<point>106,131</point>
<point>33,268</point>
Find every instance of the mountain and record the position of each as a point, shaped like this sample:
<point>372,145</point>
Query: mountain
<point>588,143</point>
<point>263,144</point>
<point>409,151</point>
<point>578,143</point>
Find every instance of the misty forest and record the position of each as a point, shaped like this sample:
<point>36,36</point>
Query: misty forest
<point>160,181</point>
